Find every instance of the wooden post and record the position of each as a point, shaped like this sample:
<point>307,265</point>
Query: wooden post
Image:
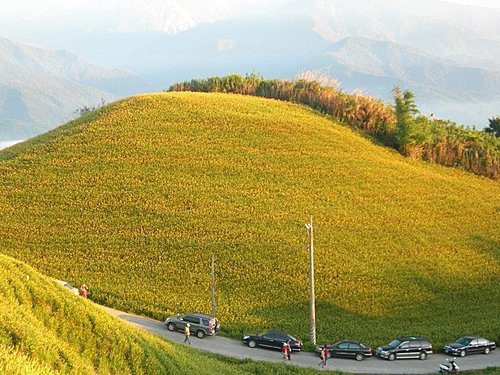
<point>312,296</point>
<point>212,287</point>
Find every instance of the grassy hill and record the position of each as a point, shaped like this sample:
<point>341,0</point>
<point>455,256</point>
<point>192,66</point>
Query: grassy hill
<point>135,199</point>
<point>45,329</point>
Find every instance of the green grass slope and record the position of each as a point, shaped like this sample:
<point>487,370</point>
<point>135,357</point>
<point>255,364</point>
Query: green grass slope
<point>135,199</point>
<point>45,329</point>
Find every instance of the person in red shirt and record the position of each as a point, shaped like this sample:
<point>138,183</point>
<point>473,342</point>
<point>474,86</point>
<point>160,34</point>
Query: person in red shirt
<point>324,356</point>
<point>84,291</point>
<point>288,350</point>
<point>284,350</point>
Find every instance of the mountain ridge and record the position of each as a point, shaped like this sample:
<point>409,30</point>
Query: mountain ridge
<point>441,86</point>
<point>40,88</point>
<point>441,28</point>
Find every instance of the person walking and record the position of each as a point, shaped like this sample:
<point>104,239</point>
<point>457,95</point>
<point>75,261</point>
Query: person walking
<point>284,351</point>
<point>288,350</point>
<point>187,333</point>
<point>324,356</point>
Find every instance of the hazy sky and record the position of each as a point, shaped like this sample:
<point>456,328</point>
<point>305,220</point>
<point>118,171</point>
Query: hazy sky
<point>28,14</point>
<point>36,21</point>
<point>47,6</point>
<point>484,3</point>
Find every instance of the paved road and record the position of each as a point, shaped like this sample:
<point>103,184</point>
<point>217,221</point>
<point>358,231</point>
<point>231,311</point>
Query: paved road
<point>235,348</point>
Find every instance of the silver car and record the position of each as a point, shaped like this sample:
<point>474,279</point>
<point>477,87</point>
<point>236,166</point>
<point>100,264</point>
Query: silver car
<point>200,325</point>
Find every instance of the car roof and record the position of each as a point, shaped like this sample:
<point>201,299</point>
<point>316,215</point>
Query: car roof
<point>276,331</point>
<point>348,341</point>
<point>409,338</point>
<point>200,315</point>
<point>280,333</point>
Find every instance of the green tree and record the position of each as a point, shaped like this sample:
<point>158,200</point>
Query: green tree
<point>87,109</point>
<point>494,127</point>
<point>412,129</point>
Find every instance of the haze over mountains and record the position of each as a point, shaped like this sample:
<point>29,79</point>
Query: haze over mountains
<point>40,88</point>
<point>446,53</point>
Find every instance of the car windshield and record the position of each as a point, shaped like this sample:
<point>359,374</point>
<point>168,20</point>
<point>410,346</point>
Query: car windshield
<point>394,343</point>
<point>292,338</point>
<point>464,341</point>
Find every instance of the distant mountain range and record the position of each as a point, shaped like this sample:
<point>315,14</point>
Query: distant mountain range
<point>446,53</point>
<point>469,35</point>
<point>441,86</point>
<point>41,88</point>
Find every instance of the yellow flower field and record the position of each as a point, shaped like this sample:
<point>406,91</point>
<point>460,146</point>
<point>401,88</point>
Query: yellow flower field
<point>47,330</point>
<point>136,199</point>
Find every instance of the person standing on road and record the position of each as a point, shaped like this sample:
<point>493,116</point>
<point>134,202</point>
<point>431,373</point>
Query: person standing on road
<point>324,356</point>
<point>187,333</point>
<point>217,325</point>
<point>84,290</point>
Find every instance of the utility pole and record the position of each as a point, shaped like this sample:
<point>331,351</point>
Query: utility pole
<point>312,297</point>
<point>212,287</point>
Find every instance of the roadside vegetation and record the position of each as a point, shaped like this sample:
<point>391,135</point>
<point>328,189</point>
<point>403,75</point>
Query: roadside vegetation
<point>135,198</point>
<point>401,126</point>
<point>45,329</point>
<point>488,371</point>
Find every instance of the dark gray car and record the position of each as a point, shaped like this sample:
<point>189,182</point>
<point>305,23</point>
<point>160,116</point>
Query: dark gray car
<point>469,345</point>
<point>405,347</point>
<point>200,325</point>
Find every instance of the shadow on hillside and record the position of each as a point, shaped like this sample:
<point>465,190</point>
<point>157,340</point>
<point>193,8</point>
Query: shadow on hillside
<point>489,246</point>
<point>474,303</point>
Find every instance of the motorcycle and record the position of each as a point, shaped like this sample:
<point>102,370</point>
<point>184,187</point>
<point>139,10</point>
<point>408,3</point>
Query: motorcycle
<point>449,368</point>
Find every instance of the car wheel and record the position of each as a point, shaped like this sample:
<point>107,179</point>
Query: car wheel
<point>171,327</point>
<point>252,344</point>
<point>359,357</point>
<point>200,334</point>
<point>422,356</point>
<point>392,357</point>
<point>486,351</point>
<point>462,353</point>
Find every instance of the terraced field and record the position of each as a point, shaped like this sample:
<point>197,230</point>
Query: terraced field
<point>135,199</point>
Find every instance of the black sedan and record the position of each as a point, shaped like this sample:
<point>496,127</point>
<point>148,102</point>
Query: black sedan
<point>347,349</point>
<point>468,345</point>
<point>273,339</point>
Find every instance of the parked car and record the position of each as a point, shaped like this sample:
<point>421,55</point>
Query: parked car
<point>405,347</point>
<point>201,325</point>
<point>468,345</point>
<point>347,349</point>
<point>273,339</point>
